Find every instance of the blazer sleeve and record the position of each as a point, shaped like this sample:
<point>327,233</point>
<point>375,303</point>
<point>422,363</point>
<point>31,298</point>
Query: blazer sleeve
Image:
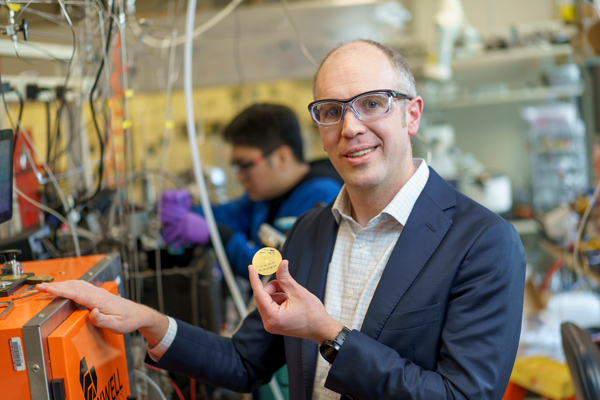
<point>241,363</point>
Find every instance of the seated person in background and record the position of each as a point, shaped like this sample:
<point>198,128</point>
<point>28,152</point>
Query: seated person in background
<point>267,156</point>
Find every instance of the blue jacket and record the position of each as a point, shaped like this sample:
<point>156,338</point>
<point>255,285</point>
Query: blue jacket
<point>244,216</point>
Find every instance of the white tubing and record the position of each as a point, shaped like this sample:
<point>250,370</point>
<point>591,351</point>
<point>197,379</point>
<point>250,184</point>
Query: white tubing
<point>191,129</point>
<point>149,380</point>
<point>206,206</point>
<point>166,42</point>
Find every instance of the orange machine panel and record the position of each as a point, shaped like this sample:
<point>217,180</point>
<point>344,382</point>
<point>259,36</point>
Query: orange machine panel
<point>44,338</point>
<point>91,360</point>
<point>12,357</point>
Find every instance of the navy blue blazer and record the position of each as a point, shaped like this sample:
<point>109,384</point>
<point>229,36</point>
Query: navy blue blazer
<point>444,321</point>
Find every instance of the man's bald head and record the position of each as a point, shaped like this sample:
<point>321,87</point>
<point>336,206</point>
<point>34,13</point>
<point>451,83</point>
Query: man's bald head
<point>405,79</point>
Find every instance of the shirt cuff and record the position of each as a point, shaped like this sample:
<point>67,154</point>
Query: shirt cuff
<point>160,349</point>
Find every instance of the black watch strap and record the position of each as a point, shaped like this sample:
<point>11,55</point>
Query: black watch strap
<point>329,348</point>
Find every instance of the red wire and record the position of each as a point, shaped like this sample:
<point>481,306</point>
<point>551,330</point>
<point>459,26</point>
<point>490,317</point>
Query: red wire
<point>153,368</point>
<point>193,388</point>
<point>176,388</point>
<point>558,264</point>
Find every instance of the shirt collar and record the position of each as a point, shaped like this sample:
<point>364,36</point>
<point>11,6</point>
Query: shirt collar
<point>402,203</point>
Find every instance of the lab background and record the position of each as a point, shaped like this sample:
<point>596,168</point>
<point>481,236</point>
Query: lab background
<point>113,103</point>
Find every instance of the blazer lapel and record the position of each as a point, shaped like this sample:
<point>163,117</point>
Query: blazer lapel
<point>424,230</point>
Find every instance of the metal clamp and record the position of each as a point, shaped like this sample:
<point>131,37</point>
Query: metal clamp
<point>12,266</point>
<point>9,305</point>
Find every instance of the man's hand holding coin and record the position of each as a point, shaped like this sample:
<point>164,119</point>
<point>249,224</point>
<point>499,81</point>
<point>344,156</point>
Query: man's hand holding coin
<point>289,309</point>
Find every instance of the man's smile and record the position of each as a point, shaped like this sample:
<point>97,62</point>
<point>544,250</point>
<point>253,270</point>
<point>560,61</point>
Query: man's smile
<point>360,152</point>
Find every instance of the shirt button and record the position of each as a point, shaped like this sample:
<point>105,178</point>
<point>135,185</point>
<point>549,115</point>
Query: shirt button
<point>360,245</point>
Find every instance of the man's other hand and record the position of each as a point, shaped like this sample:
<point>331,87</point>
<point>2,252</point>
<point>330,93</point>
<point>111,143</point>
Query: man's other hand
<point>109,311</point>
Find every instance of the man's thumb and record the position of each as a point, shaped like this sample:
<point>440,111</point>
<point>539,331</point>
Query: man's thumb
<point>283,275</point>
<point>96,317</point>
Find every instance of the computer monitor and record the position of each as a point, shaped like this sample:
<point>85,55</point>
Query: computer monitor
<point>6,174</point>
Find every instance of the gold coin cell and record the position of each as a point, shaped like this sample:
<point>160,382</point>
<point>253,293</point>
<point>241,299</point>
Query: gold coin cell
<point>266,260</point>
<point>39,279</point>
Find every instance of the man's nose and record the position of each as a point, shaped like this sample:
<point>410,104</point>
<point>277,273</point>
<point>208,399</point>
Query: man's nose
<point>351,124</point>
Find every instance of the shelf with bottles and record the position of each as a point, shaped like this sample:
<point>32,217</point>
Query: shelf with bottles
<point>502,95</point>
<point>506,76</point>
<point>512,56</point>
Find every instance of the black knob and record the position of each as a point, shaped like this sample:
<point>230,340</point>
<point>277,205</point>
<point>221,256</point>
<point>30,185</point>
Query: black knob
<point>23,28</point>
<point>10,254</point>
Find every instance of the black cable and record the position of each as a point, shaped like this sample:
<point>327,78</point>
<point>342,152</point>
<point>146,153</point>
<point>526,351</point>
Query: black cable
<point>19,118</point>
<point>49,190</point>
<point>70,140</point>
<point>93,111</point>
<point>12,123</point>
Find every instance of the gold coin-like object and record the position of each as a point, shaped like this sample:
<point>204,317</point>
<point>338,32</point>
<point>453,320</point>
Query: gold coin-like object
<point>12,277</point>
<point>266,261</point>
<point>39,279</point>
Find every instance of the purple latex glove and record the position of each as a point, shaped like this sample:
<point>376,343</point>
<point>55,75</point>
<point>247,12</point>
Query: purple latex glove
<point>191,229</point>
<point>174,205</point>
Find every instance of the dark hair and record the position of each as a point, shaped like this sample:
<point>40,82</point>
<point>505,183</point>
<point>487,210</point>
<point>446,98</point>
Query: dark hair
<point>266,126</point>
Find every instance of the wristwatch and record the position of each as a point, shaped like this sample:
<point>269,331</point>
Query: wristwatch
<point>329,348</point>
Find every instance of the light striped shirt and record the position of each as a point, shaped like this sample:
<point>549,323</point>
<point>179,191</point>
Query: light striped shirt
<point>359,258</point>
<point>160,349</point>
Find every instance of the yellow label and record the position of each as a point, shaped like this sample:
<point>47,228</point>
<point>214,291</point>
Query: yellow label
<point>568,12</point>
<point>266,261</point>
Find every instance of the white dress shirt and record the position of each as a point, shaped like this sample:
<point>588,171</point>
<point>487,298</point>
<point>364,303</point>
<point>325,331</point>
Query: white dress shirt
<point>359,258</point>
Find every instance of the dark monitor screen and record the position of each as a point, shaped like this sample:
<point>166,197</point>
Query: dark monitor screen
<point>6,174</point>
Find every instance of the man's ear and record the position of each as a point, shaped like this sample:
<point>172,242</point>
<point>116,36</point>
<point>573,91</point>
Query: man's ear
<point>414,112</point>
<point>283,156</point>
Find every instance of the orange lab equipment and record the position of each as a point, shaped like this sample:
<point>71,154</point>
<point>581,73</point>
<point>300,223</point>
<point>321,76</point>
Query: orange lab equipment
<point>49,349</point>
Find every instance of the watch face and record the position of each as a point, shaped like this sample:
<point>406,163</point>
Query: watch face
<point>328,351</point>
